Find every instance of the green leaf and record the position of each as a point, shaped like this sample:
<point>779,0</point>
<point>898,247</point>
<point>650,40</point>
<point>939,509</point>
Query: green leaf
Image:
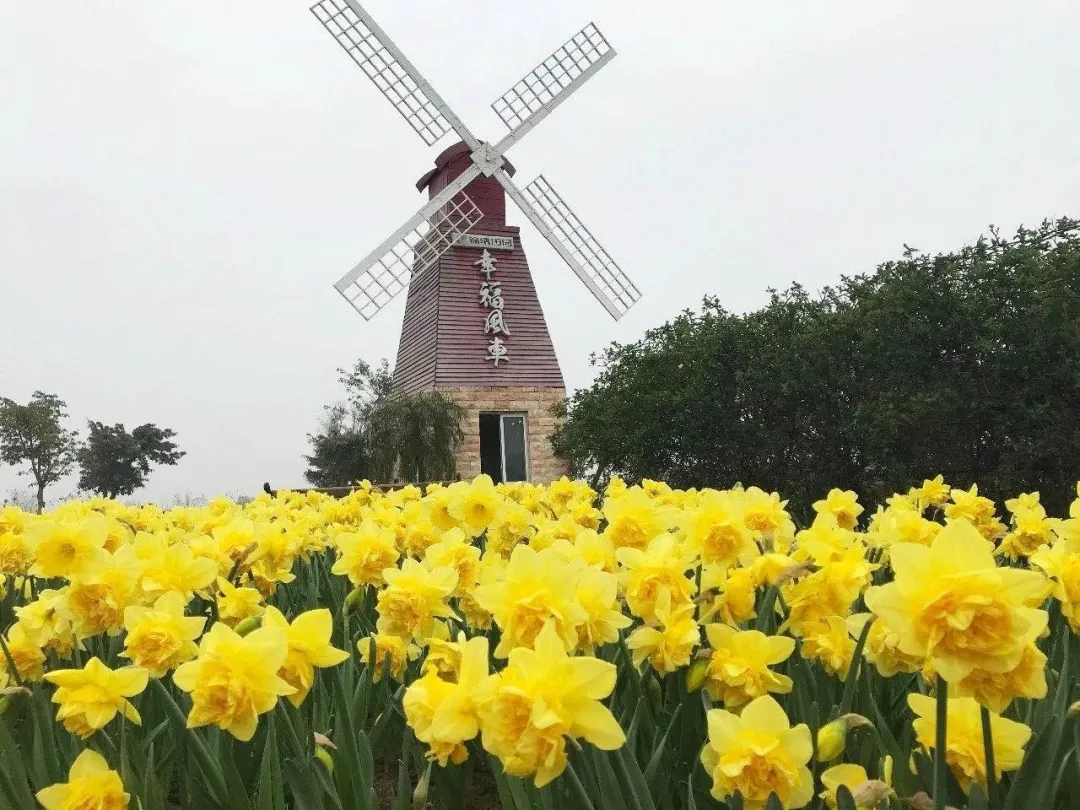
<point>844,800</point>
<point>774,803</point>
<point>765,618</point>
<point>217,788</point>
<point>403,799</point>
<point>653,768</point>
<point>857,666</point>
<point>977,799</point>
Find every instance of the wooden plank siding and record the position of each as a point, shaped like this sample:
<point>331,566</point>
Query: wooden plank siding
<point>442,342</point>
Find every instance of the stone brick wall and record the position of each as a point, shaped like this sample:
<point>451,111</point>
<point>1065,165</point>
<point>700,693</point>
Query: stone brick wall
<point>536,403</point>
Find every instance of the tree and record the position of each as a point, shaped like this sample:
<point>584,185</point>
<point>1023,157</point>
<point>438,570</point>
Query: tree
<point>114,462</point>
<point>32,434</point>
<point>380,435</point>
<point>965,363</point>
<point>338,451</point>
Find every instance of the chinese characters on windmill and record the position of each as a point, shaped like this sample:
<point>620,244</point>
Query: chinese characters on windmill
<point>491,299</point>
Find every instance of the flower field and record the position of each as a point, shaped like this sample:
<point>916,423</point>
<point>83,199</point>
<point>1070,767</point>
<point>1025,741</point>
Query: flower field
<point>541,648</point>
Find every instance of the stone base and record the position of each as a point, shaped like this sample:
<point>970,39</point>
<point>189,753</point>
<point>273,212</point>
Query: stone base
<point>536,403</point>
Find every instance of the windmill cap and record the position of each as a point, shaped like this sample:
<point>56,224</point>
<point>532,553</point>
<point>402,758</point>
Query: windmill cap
<point>450,154</point>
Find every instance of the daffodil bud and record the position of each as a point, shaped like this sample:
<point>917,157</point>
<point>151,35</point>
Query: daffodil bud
<point>1073,710</point>
<point>353,600</point>
<point>696,673</point>
<point>248,625</point>
<point>324,757</point>
<point>832,738</point>
<point>420,795</point>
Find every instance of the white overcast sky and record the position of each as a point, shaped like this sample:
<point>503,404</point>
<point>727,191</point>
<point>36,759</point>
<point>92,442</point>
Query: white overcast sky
<point>182,181</point>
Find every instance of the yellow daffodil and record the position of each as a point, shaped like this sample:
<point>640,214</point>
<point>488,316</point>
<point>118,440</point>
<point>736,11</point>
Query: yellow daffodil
<point>843,505</point>
<point>90,697</point>
<point>964,747</point>
<point>393,649</point>
<point>542,697</point>
<point>91,785</point>
<point>237,604</point>
<point>414,597</point>
<point>659,569</point>
<point>441,712</point>
<point>758,753</point>
<point>235,679</point>
<point>308,639</point>
<point>365,553</point>
<point>952,605</point>
<point>537,587</point>
<point>66,548</point>
<point>828,642</point>
<point>669,645</point>
<point>160,638</point>
<point>739,664</point>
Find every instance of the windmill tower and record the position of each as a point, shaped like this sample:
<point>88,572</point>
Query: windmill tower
<point>473,326</point>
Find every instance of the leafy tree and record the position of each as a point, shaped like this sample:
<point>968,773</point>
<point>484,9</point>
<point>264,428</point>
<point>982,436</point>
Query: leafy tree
<point>965,363</point>
<point>32,434</point>
<point>114,462</point>
<point>379,435</point>
<point>338,451</point>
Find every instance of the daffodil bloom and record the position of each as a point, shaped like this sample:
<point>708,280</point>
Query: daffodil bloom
<point>537,587</point>
<point>98,596</point>
<point>48,623</point>
<point>414,597</point>
<point>717,532</point>
<point>739,664</point>
<point>91,785</point>
<point>758,753</point>
<point>160,638</point>
<point>543,696</point>
<point>66,548</point>
<point>996,690</point>
<point>365,553</point>
<point>474,506</point>
<point>174,569</point>
<point>441,712</point>
<point>952,605</point>
<point>235,679</point>
<point>880,648</point>
<point>850,776</point>
<point>734,604</point>
<point>308,639</point>
<point>236,604</point>
<point>669,645</point>
<point>842,505</point>
<point>90,697</point>
<point>597,593</point>
<point>765,516</point>
<point>393,649</point>
<point>660,568</point>
<point>827,641</point>
<point>27,654</point>
<point>454,551</point>
<point>634,520</point>
<point>964,749</point>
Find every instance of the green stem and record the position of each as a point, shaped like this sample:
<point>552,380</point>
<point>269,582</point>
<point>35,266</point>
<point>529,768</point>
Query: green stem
<point>988,750</point>
<point>12,669</point>
<point>940,744</point>
<point>579,789</point>
<point>207,764</point>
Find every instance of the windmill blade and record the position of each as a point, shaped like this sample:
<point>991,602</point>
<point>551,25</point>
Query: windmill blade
<point>572,240</point>
<point>391,71</point>
<point>551,82</point>
<point>411,249</point>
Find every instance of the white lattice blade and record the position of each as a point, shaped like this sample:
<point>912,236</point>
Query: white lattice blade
<point>411,249</point>
<point>388,68</point>
<point>585,255</point>
<point>553,81</point>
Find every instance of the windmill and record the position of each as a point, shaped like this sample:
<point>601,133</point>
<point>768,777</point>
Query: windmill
<point>473,325</point>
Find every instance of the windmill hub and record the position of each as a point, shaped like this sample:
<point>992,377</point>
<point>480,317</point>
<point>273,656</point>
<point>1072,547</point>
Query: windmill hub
<point>487,159</point>
<point>473,324</point>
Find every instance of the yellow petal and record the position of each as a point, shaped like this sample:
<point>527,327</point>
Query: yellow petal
<point>598,725</point>
<point>764,714</point>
